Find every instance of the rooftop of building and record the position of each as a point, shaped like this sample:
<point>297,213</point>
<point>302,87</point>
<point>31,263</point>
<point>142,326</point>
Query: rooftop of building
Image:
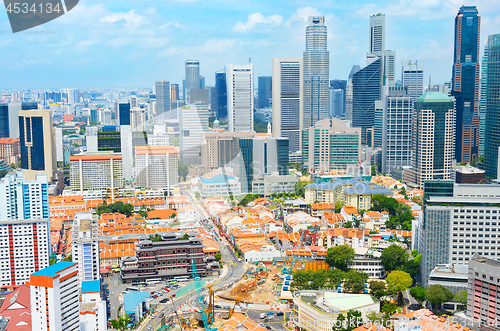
<point>156,150</point>
<point>53,270</point>
<point>358,186</point>
<point>16,302</point>
<point>90,286</point>
<point>133,299</point>
<point>240,322</point>
<point>468,169</point>
<point>217,179</point>
<point>478,258</point>
<point>336,302</point>
<point>89,158</point>
<point>8,140</point>
<point>434,96</point>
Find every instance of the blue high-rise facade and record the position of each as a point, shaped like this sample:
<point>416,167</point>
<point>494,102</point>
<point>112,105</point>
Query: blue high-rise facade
<point>465,83</point>
<point>492,105</point>
<point>124,113</point>
<point>221,91</point>
<point>265,91</point>
<point>365,91</point>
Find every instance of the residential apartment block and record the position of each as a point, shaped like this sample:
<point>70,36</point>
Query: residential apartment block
<point>85,246</point>
<point>9,150</point>
<point>54,298</point>
<point>157,166</point>
<point>25,249</point>
<point>96,172</point>
<point>459,220</point>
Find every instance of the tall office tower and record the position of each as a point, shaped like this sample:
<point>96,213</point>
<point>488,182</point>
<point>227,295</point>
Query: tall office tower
<point>338,84</point>
<point>219,149</point>
<point>212,99</point>
<point>198,96</point>
<point>366,90</point>
<point>465,83</point>
<point>174,92</point>
<point>192,77</point>
<point>93,116</point>
<point>316,72</point>
<point>9,120</point>
<point>349,93</point>
<point>482,99</point>
<point>133,101</point>
<point>138,119</point>
<point>157,166</point>
<point>24,199</point>
<point>96,172</point>
<point>432,138</point>
<point>91,139</point>
<point>73,96</point>
<point>270,154</point>
<point>377,35</point>
<point>337,102</point>
<point>481,295</point>
<point>127,150</point>
<point>38,150</point>
<point>330,144</point>
<point>390,67</point>
<point>221,90</point>
<point>85,246</point>
<point>123,113</point>
<point>106,117</point>
<point>459,220</point>
<point>287,101</point>
<point>59,144</point>
<point>163,98</point>
<point>265,91</point>
<point>54,298</point>
<point>412,76</point>
<point>492,105</point>
<point>239,80</point>
<point>393,130</point>
<point>202,81</point>
<point>193,121</point>
<point>25,246</point>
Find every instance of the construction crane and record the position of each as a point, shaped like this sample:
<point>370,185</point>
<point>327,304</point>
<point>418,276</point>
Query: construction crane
<point>285,270</point>
<point>210,310</point>
<point>207,320</point>
<point>231,311</point>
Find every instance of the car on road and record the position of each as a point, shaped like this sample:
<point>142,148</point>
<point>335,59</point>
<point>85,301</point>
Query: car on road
<point>150,327</point>
<point>218,306</point>
<point>271,317</point>
<point>268,327</point>
<point>280,313</point>
<point>269,313</point>
<point>262,315</point>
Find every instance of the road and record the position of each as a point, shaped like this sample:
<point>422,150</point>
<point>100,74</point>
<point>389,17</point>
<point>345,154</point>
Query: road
<point>276,323</point>
<point>235,271</point>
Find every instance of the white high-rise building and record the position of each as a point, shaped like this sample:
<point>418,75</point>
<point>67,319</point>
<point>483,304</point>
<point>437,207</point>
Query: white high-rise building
<point>91,139</point>
<point>288,106</point>
<point>316,74</point>
<point>162,88</point>
<point>192,123</point>
<point>54,298</point>
<point>377,35</point>
<point>23,199</point>
<point>59,145</point>
<point>413,78</point>
<point>138,119</point>
<point>393,128</point>
<point>92,308</point>
<point>127,152</point>
<point>25,247</point>
<point>157,166</point>
<point>390,67</point>
<point>192,77</point>
<point>85,246</point>
<point>240,101</point>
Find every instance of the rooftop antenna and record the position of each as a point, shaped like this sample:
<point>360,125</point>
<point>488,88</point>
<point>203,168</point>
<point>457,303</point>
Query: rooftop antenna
<point>249,60</point>
<point>429,80</point>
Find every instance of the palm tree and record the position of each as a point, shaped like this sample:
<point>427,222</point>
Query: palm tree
<point>121,323</point>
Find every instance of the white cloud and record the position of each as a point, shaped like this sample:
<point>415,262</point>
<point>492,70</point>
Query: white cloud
<point>258,18</point>
<point>175,24</point>
<point>117,42</point>
<point>84,44</point>
<point>302,15</point>
<point>131,19</point>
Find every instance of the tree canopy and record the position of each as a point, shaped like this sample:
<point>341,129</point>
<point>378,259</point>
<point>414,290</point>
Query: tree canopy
<point>393,258</point>
<point>378,289</point>
<point>121,323</point>
<point>117,207</point>
<point>340,256</point>
<point>354,281</point>
<point>438,294</point>
<point>418,293</point>
<point>399,213</point>
<point>398,281</point>
<point>349,322</point>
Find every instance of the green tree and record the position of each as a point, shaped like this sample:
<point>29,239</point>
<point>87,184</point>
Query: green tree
<point>418,293</point>
<point>340,256</point>
<point>403,192</point>
<point>400,214</point>
<point>412,267</point>
<point>127,209</point>
<point>121,323</point>
<point>389,308</point>
<point>354,281</point>
<point>438,294</point>
<point>397,282</point>
<point>301,280</point>
<point>378,289</point>
<point>173,215</point>
<point>379,318</point>
<point>335,276</point>
<point>319,279</point>
<point>338,206</point>
<point>351,321</point>
<point>217,256</point>
<point>197,195</point>
<point>414,252</point>
<point>300,188</point>
<point>116,207</point>
<point>68,258</point>
<point>185,237</point>
<point>52,261</point>
<point>155,237</point>
<point>461,297</point>
<point>393,258</point>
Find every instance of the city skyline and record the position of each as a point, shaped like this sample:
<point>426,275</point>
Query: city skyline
<point>94,43</point>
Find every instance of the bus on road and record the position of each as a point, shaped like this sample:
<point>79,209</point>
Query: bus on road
<point>153,281</point>
<point>182,279</point>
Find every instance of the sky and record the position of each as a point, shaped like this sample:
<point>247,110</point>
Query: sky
<point>133,43</point>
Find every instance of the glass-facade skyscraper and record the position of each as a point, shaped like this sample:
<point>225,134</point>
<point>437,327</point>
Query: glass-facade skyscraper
<point>265,91</point>
<point>240,97</point>
<point>192,77</point>
<point>221,91</point>
<point>492,105</point>
<point>465,83</point>
<point>365,91</point>
<point>162,88</point>
<point>124,113</point>
<point>316,72</point>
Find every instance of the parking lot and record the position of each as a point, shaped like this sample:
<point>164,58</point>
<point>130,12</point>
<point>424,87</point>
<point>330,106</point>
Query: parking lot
<point>275,323</point>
